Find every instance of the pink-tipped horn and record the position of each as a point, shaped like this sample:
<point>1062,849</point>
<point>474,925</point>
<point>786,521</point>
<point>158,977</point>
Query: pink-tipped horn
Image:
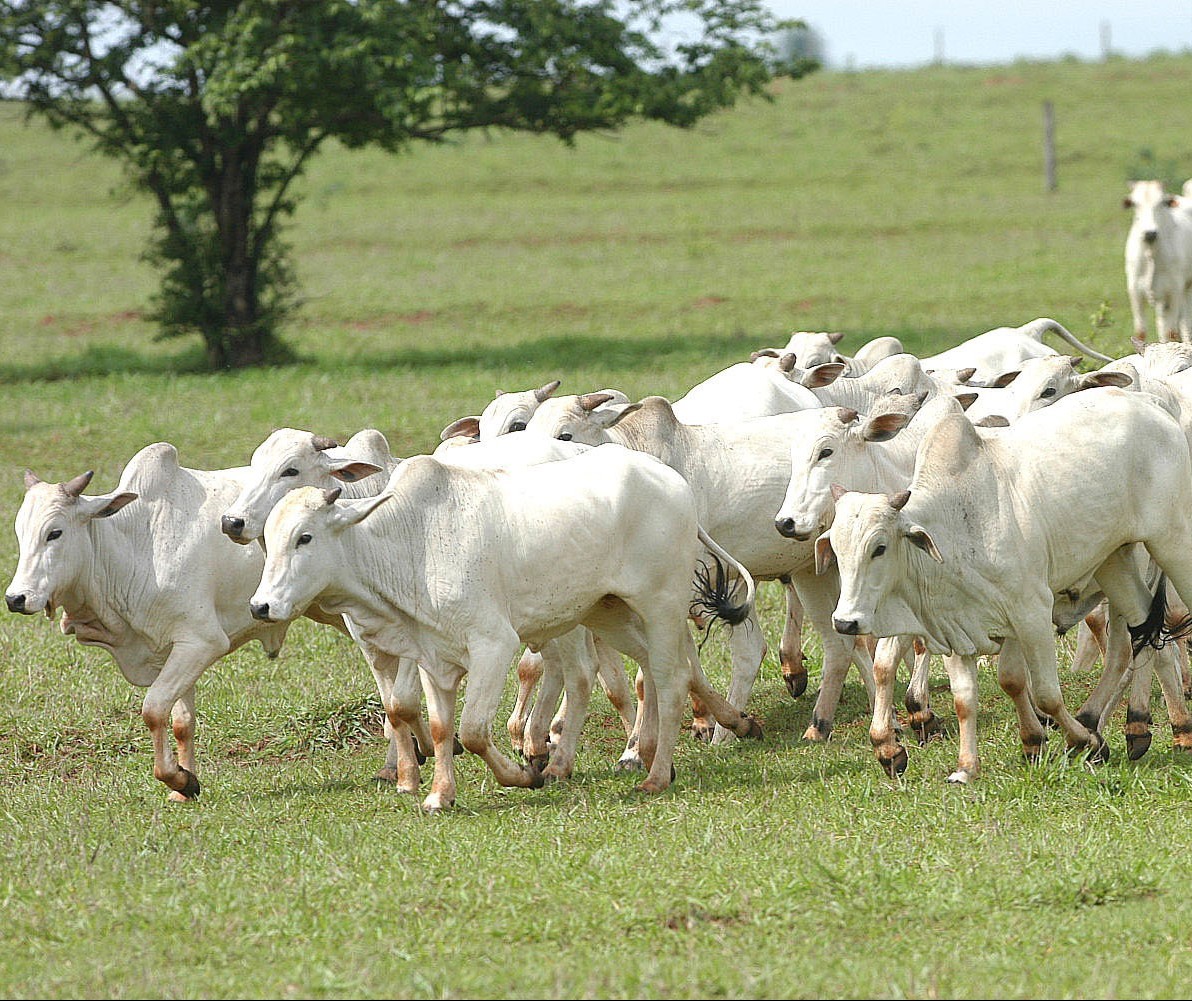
<point>591,401</point>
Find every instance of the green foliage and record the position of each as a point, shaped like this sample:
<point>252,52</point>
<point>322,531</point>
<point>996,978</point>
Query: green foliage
<point>215,109</point>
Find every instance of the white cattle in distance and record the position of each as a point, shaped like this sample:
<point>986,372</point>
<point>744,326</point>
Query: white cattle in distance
<point>994,526</point>
<point>1003,349</point>
<point>739,392</point>
<point>899,373</point>
<point>457,568</point>
<point>739,471</point>
<point>813,348</point>
<point>145,573</point>
<point>506,413</point>
<point>1159,261</point>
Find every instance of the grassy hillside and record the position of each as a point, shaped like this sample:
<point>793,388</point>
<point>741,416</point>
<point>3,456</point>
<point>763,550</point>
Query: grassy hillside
<point>905,203</point>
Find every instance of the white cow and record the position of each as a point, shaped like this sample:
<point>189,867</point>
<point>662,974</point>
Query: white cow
<point>145,573</point>
<point>508,412</point>
<point>813,348</point>
<point>1159,261</point>
<point>1004,349</point>
<point>739,471</point>
<point>1038,382</point>
<point>994,526</point>
<point>899,373</point>
<point>457,568</point>
<point>742,391</point>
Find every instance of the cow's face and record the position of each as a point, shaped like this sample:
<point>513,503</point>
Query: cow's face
<point>53,531</point>
<point>286,460</point>
<point>827,452</point>
<point>868,542</point>
<point>305,550</point>
<point>812,348</point>
<point>585,419</point>
<point>1149,201</point>
<point>510,412</point>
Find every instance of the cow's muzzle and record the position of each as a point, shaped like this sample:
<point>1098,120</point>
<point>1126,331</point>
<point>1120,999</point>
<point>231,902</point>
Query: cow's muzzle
<point>232,527</point>
<point>849,627</point>
<point>260,610</point>
<point>16,603</point>
<point>786,527</point>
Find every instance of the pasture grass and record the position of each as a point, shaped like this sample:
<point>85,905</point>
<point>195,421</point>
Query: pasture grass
<point>905,203</point>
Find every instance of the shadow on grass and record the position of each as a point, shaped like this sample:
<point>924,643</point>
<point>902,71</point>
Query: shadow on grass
<point>558,353</point>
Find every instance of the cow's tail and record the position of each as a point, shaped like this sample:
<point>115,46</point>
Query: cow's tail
<point>1155,631</point>
<point>715,593</point>
<point>1046,325</point>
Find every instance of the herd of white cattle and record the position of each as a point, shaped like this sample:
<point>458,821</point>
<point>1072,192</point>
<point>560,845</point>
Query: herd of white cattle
<point>967,504</point>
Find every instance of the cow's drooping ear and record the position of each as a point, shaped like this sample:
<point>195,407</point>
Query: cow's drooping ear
<point>350,471</point>
<point>1140,344</point>
<point>822,375</point>
<point>1096,380</point>
<point>105,506</point>
<point>966,400</point>
<point>919,538</point>
<point>355,511</point>
<point>883,427</point>
<point>825,555</point>
<point>838,491</point>
<point>1005,379</point>
<point>464,427</point>
<point>964,374</point>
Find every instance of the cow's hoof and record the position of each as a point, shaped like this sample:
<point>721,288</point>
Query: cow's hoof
<point>926,726</point>
<point>703,732</point>
<point>818,732</point>
<point>796,684</point>
<point>1137,745</point>
<point>893,764</point>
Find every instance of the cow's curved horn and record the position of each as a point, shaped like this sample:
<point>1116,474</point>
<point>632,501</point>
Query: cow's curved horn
<point>31,479</point>
<point>73,488</point>
<point>898,500</point>
<point>591,401</point>
<point>322,443</point>
<point>331,495</point>
<point>787,361</point>
<point>543,392</point>
<point>846,414</point>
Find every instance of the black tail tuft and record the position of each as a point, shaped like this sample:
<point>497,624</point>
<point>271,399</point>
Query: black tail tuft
<point>1152,631</point>
<point>714,595</point>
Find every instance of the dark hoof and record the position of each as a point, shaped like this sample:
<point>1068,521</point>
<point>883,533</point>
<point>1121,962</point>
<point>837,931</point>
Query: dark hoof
<point>1137,746</point>
<point>894,765</point>
<point>539,762</point>
<point>1085,719</point>
<point>628,765</point>
<point>537,779</point>
<point>1096,752</point>
<point>702,732</point>
<point>796,684</point>
<point>754,732</point>
<point>927,728</point>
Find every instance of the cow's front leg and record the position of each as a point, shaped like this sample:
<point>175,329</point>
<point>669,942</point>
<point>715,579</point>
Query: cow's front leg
<point>891,755</point>
<point>790,647</point>
<point>399,688</point>
<point>962,677</point>
<point>188,659</point>
<point>748,647</point>
<point>441,687</point>
<point>1012,676</point>
<point>488,667</point>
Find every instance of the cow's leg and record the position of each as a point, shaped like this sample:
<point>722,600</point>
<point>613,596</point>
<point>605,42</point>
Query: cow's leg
<point>748,646</point>
<point>401,698</point>
<point>182,721</point>
<point>1138,307</point>
<point>962,677</point>
<point>668,680</point>
<point>736,722</point>
<point>529,673</point>
<point>536,739</point>
<point>1116,674</point>
<point>631,759</point>
<point>883,734</point>
<point>578,668</point>
<point>1037,640</point>
<point>790,647</point>
<point>1091,639</point>
<point>188,659</point>
<point>441,688</point>
<point>1167,667</point>
<point>613,680</point>
<point>488,667</point>
<point>1012,676</point>
<point>921,717</point>
<point>819,596</point>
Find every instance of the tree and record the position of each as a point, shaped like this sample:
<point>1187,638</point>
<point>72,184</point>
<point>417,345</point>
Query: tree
<point>215,108</point>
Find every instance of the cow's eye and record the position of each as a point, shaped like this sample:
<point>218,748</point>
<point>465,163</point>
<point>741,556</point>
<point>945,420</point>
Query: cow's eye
<point>565,436</point>
<point>1047,393</point>
<point>53,533</point>
<point>825,453</point>
<point>304,538</point>
<point>879,550</point>
<point>517,426</point>
<point>291,471</point>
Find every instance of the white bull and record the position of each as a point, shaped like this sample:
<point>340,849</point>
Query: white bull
<point>457,568</point>
<point>1158,259</point>
<point>144,573</point>
<point>994,526</point>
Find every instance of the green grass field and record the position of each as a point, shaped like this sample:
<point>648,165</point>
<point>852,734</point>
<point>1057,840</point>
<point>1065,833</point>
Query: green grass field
<point>905,203</point>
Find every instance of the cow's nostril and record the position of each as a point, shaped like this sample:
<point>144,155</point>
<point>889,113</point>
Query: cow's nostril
<point>231,526</point>
<point>15,602</point>
<point>260,610</point>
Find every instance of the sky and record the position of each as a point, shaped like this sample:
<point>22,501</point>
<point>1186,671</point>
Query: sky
<point>903,33</point>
